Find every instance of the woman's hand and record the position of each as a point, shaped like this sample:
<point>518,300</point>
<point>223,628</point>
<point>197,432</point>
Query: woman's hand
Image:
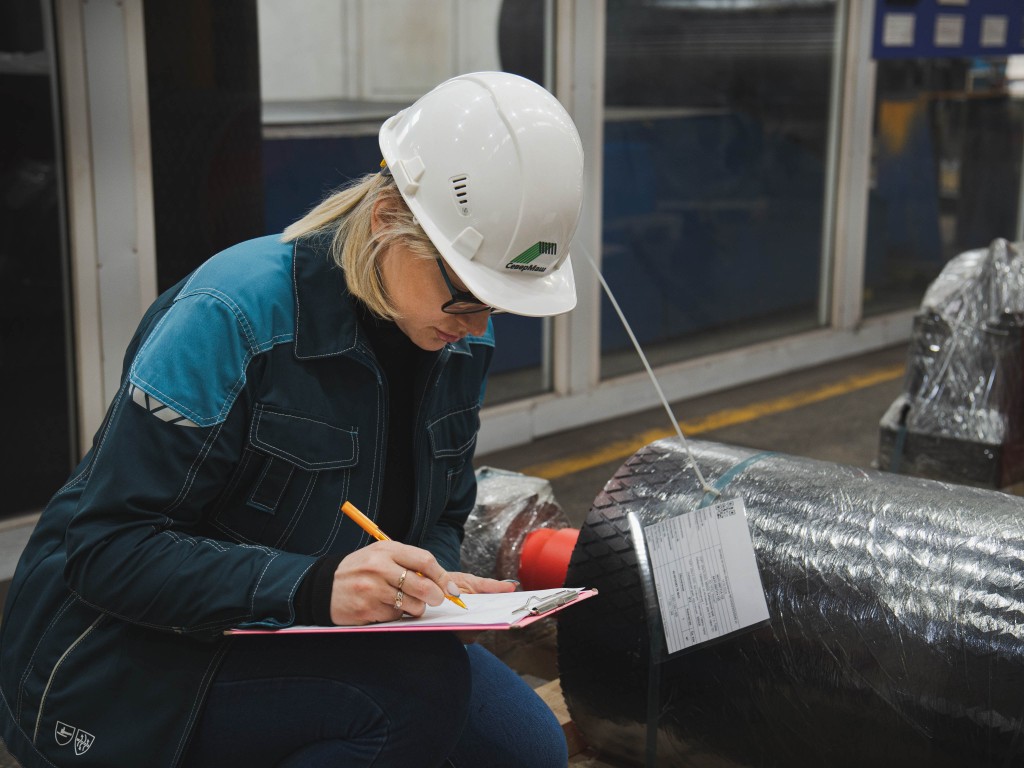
<point>382,581</point>
<point>468,583</point>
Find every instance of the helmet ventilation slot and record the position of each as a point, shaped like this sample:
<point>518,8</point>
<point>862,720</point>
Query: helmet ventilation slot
<point>460,193</point>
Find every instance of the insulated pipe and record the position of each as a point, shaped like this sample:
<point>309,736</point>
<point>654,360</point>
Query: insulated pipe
<point>897,624</point>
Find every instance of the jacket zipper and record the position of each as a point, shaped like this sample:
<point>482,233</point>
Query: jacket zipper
<point>420,513</point>
<point>53,672</point>
<point>365,356</point>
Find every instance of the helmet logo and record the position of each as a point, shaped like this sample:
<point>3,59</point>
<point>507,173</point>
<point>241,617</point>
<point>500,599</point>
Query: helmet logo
<point>524,262</point>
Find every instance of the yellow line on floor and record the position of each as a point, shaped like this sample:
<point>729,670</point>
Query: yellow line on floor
<point>621,449</point>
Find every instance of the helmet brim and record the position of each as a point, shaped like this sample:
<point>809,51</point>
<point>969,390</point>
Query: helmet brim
<point>527,294</point>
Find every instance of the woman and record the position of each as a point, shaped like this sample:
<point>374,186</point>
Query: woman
<point>344,361</point>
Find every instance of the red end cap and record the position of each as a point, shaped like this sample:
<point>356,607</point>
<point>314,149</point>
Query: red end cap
<point>545,557</point>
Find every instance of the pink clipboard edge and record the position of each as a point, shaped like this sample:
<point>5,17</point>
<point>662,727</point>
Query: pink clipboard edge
<point>413,627</point>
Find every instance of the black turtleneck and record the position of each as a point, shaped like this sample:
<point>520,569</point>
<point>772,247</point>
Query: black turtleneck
<point>399,359</point>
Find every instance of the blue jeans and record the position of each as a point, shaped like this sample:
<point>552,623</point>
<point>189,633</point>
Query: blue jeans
<point>373,699</point>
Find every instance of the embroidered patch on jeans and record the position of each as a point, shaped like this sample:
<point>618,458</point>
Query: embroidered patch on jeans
<point>158,409</point>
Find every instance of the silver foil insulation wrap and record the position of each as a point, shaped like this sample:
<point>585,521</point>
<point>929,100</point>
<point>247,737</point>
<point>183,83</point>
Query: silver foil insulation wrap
<point>897,623</point>
<point>961,414</point>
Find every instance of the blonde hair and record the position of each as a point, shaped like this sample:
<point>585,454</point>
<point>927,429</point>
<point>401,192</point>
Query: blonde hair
<point>346,216</point>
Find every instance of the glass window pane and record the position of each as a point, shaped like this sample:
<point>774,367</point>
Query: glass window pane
<point>946,165</point>
<point>202,72</point>
<point>34,371</point>
<point>716,137</point>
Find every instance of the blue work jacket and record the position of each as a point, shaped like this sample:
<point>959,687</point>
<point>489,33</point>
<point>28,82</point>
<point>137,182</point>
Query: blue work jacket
<point>251,407</point>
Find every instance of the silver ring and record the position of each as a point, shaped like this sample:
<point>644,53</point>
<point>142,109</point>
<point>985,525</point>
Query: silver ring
<point>401,579</point>
<point>399,597</point>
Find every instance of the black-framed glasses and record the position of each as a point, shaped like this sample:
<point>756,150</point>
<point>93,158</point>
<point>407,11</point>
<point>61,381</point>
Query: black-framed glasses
<point>462,302</point>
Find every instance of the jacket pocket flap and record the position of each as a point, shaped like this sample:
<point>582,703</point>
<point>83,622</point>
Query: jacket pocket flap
<point>303,440</point>
<point>454,433</point>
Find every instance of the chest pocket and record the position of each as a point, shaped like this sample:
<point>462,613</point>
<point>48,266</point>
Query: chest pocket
<point>454,434</point>
<point>293,476</point>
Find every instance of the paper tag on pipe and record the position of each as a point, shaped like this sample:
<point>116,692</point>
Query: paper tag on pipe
<point>705,574</point>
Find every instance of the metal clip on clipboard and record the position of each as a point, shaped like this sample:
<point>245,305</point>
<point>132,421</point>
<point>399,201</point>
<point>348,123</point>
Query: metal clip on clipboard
<point>548,603</point>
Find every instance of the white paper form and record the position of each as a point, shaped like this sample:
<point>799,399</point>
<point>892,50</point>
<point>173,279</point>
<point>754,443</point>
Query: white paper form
<point>705,574</point>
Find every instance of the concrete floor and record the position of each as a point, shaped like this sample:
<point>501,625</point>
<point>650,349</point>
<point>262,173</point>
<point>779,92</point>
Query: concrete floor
<point>829,413</point>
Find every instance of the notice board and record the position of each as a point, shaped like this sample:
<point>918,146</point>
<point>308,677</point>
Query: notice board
<point>911,29</point>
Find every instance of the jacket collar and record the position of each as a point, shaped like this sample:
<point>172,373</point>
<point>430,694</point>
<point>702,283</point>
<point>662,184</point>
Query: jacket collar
<point>325,316</point>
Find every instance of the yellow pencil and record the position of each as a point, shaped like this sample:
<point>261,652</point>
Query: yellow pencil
<point>371,528</point>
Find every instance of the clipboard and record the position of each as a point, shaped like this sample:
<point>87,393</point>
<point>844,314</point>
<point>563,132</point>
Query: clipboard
<point>506,610</point>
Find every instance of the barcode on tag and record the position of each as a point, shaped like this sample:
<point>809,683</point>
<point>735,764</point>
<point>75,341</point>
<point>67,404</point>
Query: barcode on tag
<point>725,509</point>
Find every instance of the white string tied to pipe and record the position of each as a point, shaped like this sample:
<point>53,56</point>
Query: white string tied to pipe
<point>705,486</point>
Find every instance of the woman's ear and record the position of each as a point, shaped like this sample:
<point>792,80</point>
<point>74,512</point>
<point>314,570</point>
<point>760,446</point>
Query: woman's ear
<point>376,218</point>
<point>383,210</point>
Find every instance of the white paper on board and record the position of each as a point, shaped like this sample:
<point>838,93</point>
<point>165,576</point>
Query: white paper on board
<point>994,31</point>
<point>949,31</point>
<point>898,30</point>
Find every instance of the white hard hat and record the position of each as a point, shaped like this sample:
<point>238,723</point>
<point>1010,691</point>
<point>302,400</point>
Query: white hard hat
<point>491,166</point>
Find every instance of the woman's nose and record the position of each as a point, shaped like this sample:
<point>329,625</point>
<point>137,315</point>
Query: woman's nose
<point>475,323</point>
